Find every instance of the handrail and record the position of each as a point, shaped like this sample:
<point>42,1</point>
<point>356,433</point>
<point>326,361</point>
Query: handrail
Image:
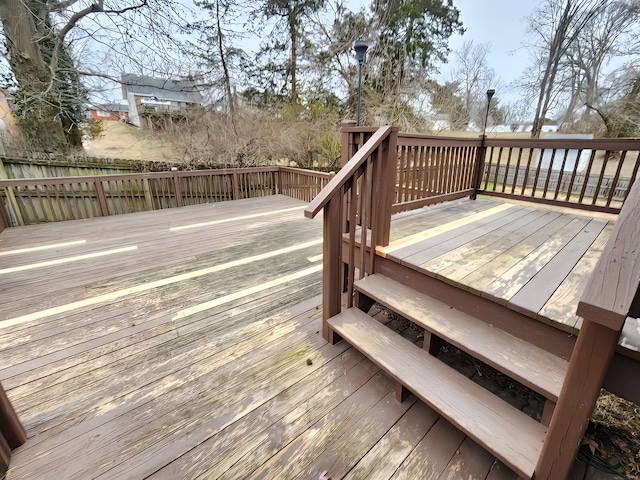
<point>346,172</point>
<point>611,293</point>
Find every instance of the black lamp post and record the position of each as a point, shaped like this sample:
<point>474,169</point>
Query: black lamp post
<point>360,46</point>
<point>490,94</point>
<point>481,150</point>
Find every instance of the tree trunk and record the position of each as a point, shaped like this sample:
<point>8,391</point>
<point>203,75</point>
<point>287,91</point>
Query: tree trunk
<point>37,110</point>
<point>293,34</point>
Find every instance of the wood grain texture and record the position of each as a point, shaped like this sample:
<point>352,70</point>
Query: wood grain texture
<point>505,432</point>
<point>518,359</point>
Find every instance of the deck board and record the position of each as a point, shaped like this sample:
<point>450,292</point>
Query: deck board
<point>519,256</point>
<point>115,376</point>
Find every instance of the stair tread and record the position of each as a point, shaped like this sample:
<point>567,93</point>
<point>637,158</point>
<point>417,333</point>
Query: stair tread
<point>530,365</point>
<point>504,431</point>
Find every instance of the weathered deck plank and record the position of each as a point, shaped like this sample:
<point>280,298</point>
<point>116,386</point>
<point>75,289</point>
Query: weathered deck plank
<point>135,382</point>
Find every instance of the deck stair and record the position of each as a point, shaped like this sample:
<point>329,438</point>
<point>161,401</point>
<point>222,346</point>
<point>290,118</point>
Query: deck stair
<point>510,435</point>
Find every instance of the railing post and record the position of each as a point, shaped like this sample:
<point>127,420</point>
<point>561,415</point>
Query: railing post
<point>176,189</point>
<point>279,174</point>
<point>102,199</point>
<point>590,360</point>
<point>346,142</point>
<point>234,185</point>
<point>147,193</point>
<point>387,171</point>
<point>10,427</point>
<point>331,261</point>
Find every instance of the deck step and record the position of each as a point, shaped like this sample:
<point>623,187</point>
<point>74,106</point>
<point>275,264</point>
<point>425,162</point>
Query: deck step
<point>507,433</point>
<point>524,362</point>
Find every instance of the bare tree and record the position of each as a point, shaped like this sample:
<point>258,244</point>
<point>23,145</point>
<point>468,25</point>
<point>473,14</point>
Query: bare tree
<point>474,77</point>
<point>44,37</point>
<point>555,26</point>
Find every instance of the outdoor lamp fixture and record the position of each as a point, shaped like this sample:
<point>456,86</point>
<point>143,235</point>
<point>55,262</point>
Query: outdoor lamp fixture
<point>490,94</point>
<point>360,46</point>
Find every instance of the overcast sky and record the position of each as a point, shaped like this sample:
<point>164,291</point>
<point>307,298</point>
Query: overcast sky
<point>502,23</point>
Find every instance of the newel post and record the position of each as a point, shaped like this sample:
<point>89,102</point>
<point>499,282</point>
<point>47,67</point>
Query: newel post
<point>102,199</point>
<point>331,261</point>
<point>386,186</point>
<point>176,188</point>
<point>479,168</point>
<point>346,142</point>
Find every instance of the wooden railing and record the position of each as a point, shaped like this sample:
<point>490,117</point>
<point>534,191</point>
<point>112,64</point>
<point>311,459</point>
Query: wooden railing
<point>612,295</point>
<point>584,174</point>
<point>357,208</point>
<point>30,201</point>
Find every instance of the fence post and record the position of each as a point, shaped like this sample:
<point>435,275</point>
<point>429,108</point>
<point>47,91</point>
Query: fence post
<point>147,193</point>
<point>176,188</point>
<point>279,173</point>
<point>234,184</point>
<point>102,199</point>
<point>477,176</point>
<point>346,142</point>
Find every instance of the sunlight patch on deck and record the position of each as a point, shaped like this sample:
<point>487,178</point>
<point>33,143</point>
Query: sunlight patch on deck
<point>246,292</point>
<point>60,261</point>
<point>432,232</point>
<point>315,258</point>
<point>42,247</point>
<point>151,285</point>
<point>234,219</point>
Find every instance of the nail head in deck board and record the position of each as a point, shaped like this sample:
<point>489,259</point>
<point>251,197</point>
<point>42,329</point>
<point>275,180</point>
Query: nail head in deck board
<point>518,359</point>
<point>515,438</point>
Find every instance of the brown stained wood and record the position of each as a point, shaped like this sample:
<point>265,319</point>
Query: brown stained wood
<point>499,471</point>
<point>432,455</point>
<point>545,336</point>
<point>577,399</point>
<point>297,407</point>
<point>561,306</point>
<point>530,365</point>
<point>11,430</point>
<point>371,428</point>
<point>612,288</point>
<point>470,461</point>
<point>514,438</point>
<point>511,282</point>
<point>307,447</point>
<point>445,234</point>
<point>463,261</point>
<point>538,290</point>
<point>390,452</point>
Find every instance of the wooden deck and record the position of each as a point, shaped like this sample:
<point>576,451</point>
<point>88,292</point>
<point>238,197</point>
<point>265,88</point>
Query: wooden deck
<point>533,260</point>
<point>186,343</point>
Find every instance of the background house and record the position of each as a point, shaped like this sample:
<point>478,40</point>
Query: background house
<point>147,96</point>
<point>110,112</point>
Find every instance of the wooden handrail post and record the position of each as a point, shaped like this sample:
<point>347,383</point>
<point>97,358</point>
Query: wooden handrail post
<point>102,199</point>
<point>387,169</point>
<point>176,189</point>
<point>147,193</point>
<point>279,174</point>
<point>331,260</point>
<point>346,142</point>
<point>10,427</point>
<point>234,186</point>
<point>590,360</point>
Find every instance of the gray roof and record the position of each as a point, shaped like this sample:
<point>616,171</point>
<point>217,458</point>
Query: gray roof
<point>167,89</point>
<point>111,107</point>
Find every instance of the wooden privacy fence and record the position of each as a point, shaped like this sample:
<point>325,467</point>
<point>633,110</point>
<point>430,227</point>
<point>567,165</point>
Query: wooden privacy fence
<point>30,201</point>
<point>585,174</point>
